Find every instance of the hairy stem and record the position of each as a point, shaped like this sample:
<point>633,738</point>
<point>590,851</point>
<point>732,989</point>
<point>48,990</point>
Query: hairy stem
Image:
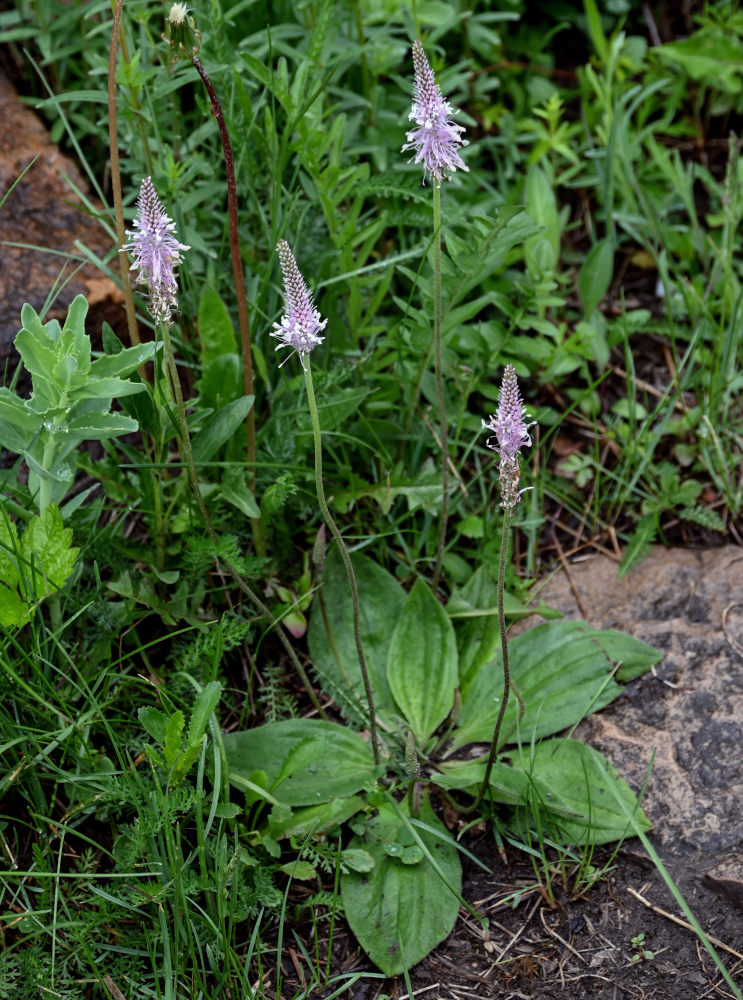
<point>437,319</point>
<point>314,416</point>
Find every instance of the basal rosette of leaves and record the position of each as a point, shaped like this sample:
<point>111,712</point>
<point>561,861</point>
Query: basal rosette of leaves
<point>436,673</point>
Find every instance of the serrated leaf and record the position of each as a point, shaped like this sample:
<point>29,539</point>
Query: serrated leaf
<point>31,321</point>
<point>10,551</point>
<point>73,340</point>
<point>124,363</point>
<point>101,426</point>
<point>14,610</point>
<point>422,662</point>
<point>705,516</point>
<point>18,424</point>
<point>173,742</point>
<point>47,545</point>
<point>105,389</point>
<point>38,358</point>
<point>153,721</point>
<point>639,544</point>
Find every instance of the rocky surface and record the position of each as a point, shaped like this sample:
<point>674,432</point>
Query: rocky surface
<point>43,211</point>
<point>686,718</point>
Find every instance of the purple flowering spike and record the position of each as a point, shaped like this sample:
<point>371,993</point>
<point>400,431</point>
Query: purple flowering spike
<point>156,252</point>
<point>437,139</point>
<point>512,433</point>
<point>301,323</point>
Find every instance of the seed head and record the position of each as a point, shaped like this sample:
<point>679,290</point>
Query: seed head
<point>181,33</point>
<point>511,432</point>
<point>177,15</point>
<point>437,139</point>
<point>156,252</point>
<point>301,323</point>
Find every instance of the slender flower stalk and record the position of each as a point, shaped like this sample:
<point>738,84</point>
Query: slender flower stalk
<point>300,329</point>
<point>440,398</point>
<point>510,432</point>
<point>435,141</point>
<point>184,39</point>
<point>156,252</point>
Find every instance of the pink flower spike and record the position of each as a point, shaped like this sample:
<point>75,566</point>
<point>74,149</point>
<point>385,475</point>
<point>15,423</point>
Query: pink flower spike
<point>437,139</point>
<point>511,433</point>
<point>301,323</point>
<point>156,252</point>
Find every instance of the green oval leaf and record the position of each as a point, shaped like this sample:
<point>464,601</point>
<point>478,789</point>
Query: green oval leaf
<point>331,639</point>
<point>422,662</point>
<point>582,778</point>
<point>340,763</point>
<point>399,912</point>
<point>595,276</point>
<point>564,670</point>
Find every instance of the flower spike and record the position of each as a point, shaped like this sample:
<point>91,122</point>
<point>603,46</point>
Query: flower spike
<point>437,139</point>
<point>301,323</point>
<point>156,252</point>
<point>511,432</point>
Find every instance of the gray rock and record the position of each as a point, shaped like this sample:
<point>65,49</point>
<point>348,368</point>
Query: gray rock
<point>686,718</point>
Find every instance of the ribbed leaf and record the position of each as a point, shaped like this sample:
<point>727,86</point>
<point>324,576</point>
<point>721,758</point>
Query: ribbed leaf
<point>422,662</point>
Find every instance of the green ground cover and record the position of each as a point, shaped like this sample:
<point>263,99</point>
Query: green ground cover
<point>187,729</point>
